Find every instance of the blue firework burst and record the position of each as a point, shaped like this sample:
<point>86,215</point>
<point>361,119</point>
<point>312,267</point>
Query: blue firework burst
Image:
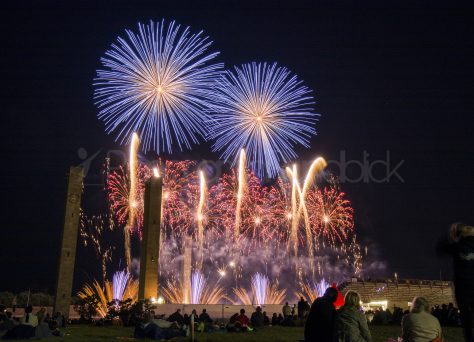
<point>157,83</point>
<point>264,109</point>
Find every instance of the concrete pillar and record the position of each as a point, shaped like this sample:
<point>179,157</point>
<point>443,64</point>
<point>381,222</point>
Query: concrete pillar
<point>69,241</point>
<point>148,281</point>
<point>186,274</point>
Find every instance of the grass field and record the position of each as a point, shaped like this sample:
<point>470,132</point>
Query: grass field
<point>81,333</point>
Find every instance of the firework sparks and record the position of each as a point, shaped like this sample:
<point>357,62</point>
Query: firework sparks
<point>157,83</point>
<point>331,214</point>
<point>200,291</point>
<point>133,196</point>
<point>200,214</point>
<point>262,292</point>
<point>266,110</point>
<point>298,202</point>
<point>311,291</point>
<point>92,229</point>
<point>242,182</point>
<point>127,288</point>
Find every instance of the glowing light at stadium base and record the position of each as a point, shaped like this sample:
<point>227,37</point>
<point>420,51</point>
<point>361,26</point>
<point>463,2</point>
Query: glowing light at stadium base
<point>242,185</point>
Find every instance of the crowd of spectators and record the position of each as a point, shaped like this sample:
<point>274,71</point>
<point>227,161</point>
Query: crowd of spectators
<point>30,325</point>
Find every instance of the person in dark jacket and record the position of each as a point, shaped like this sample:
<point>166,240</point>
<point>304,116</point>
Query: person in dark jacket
<point>204,317</point>
<point>266,319</point>
<point>176,317</point>
<point>301,307</point>
<point>257,319</point>
<point>319,326</point>
<point>351,323</point>
<point>461,248</point>
<point>275,320</point>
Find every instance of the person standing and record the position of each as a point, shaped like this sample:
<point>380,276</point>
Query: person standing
<point>351,323</point>
<point>461,248</point>
<point>319,326</point>
<point>286,310</point>
<point>301,307</point>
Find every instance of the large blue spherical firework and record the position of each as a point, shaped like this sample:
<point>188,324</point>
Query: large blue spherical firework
<point>264,109</point>
<point>157,83</point>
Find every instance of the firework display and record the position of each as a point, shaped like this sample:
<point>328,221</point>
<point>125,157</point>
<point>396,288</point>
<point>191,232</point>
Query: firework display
<point>242,231</point>
<point>122,287</point>
<point>235,239</point>
<point>264,109</point>
<point>157,82</point>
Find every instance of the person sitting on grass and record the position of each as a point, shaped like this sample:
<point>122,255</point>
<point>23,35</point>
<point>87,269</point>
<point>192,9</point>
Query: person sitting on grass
<point>26,329</point>
<point>177,317</point>
<point>242,321</point>
<point>266,319</point>
<point>205,321</point>
<point>45,329</point>
<point>351,323</point>
<point>232,322</point>
<point>319,326</point>
<point>149,329</point>
<point>257,319</point>
<point>275,320</point>
<point>29,318</point>
<point>204,317</point>
<point>419,325</point>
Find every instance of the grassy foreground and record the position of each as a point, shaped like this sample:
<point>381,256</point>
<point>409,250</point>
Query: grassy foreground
<point>80,333</point>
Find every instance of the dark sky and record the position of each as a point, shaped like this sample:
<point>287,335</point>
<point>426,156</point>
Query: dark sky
<point>396,79</point>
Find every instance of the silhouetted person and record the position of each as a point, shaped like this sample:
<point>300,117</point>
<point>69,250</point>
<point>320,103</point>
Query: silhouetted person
<point>461,248</point>
<point>301,307</point>
<point>319,325</point>
<point>257,318</point>
<point>176,317</point>
<point>286,310</point>
<point>204,317</point>
<point>275,319</point>
<point>266,319</point>
<point>242,321</point>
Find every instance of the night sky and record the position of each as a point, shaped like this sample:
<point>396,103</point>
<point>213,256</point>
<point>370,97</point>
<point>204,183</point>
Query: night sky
<point>388,79</point>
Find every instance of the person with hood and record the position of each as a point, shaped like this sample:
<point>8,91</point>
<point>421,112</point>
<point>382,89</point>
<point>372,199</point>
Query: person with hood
<point>319,326</point>
<point>461,248</point>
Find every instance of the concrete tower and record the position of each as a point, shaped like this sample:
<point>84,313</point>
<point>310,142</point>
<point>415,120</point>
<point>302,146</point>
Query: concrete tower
<point>69,241</point>
<point>148,285</point>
